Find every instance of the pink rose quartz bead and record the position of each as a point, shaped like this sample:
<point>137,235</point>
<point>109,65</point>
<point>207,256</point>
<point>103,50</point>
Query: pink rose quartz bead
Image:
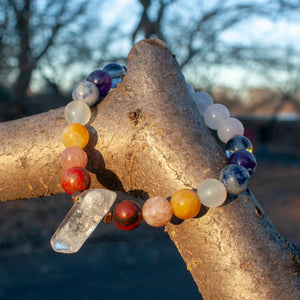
<point>73,157</point>
<point>157,211</point>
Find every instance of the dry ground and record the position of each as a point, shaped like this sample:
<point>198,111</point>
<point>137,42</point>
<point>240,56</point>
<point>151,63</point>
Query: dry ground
<point>143,264</point>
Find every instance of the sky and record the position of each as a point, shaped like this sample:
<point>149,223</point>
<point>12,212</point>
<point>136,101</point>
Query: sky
<point>269,31</point>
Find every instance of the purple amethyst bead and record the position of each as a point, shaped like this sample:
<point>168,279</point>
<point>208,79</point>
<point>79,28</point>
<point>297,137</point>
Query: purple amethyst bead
<point>102,80</point>
<point>243,158</point>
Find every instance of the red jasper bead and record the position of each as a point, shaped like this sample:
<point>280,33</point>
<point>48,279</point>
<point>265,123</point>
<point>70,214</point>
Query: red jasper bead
<point>76,179</point>
<point>127,215</point>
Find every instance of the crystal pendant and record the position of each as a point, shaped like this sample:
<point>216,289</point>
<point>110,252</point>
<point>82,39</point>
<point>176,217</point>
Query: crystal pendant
<point>82,219</point>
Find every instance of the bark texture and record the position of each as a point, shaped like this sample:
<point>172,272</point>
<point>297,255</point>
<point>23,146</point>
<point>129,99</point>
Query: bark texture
<point>148,139</point>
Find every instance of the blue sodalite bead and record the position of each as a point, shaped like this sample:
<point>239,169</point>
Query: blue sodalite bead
<point>235,178</point>
<point>86,91</point>
<point>238,142</point>
<point>243,158</point>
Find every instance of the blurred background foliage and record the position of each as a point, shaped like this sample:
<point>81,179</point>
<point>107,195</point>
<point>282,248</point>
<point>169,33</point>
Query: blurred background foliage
<point>235,49</point>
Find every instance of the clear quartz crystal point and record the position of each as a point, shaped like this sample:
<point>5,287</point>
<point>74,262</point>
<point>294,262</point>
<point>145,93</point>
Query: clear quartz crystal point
<point>81,220</point>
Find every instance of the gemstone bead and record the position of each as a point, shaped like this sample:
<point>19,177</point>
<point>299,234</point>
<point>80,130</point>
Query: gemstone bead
<point>228,128</point>
<point>82,219</point>
<point>76,179</point>
<point>243,158</point>
<point>157,211</point>
<point>115,82</point>
<point>190,88</point>
<point>73,157</point>
<point>102,80</point>
<point>235,178</point>
<point>238,142</point>
<point>114,70</point>
<point>86,91</point>
<point>75,135</point>
<point>203,101</point>
<point>212,192</point>
<point>185,204</point>
<point>77,112</point>
<point>127,215</point>
<point>214,114</point>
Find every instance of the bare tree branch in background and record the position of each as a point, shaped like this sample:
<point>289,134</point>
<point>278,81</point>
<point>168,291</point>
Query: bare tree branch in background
<point>36,32</point>
<point>195,34</point>
<point>148,27</point>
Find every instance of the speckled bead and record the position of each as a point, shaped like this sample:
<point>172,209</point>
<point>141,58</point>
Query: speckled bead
<point>235,178</point>
<point>76,179</point>
<point>87,92</point>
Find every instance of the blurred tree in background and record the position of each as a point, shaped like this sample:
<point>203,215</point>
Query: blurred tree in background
<point>54,43</point>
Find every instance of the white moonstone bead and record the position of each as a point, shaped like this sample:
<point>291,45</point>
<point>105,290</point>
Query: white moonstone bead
<point>214,114</point>
<point>82,220</point>
<point>212,193</point>
<point>228,128</point>
<point>77,112</point>
<point>86,91</point>
<point>203,101</point>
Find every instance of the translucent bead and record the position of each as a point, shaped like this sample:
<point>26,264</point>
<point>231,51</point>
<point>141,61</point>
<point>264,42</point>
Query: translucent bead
<point>73,157</point>
<point>76,179</point>
<point>114,70</point>
<point>75,135</point>
<point>203,101</point>
<point>185,204</point>
<point>243,158</point>
<point>238,142</point>
<point>87,92</point>
<point>77,112</point>
<point>235,178</point>
<point>214,114</point>
<point>102,80</point>
<point>212,193</point>
<point>157,211</point>
<point>228,128</point>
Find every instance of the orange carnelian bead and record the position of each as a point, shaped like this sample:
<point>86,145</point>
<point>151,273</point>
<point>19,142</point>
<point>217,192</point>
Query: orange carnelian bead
<point>185,204</point>
<point>75,135</point>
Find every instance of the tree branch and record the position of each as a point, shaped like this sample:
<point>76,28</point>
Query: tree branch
<point>233,252</point>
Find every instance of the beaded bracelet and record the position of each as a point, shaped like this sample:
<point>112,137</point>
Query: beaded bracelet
<point>91,206</point>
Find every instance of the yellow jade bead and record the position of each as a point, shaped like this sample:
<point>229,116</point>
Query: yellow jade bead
<point>75,135</point>
<point>185,204</point>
